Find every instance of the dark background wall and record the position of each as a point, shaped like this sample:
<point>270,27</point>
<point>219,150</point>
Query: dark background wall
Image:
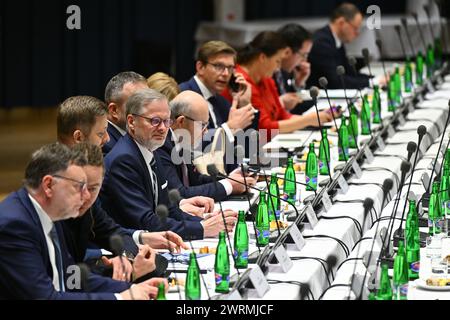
<point>42,62</point>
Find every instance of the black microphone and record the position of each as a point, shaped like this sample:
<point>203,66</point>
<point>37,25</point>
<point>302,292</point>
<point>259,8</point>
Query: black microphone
<point>212,169</point>
<point>163,212</point>
<point>402,44</point>
<point>426,8</point>
<point>404,168</point>
<point>408,36</point>
<point>304,291</point>
<point>380,48</point>
<point>340,70</point>
<point>323,82</point>
<point>368,205</point>
<point>331,262</point>
<point>421,131</point>
<point>414,14</point>
<point>314,93</point>
<point>411,147</point>
<point>366,55</point>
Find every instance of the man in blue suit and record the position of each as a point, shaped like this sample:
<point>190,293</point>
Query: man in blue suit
<point>135,182</point>
<point>82,120</point>
<point>215,65</point>
<point>34,260</point>
<point>189,111</point>
<point>328,49</point>
<point>117,92</point>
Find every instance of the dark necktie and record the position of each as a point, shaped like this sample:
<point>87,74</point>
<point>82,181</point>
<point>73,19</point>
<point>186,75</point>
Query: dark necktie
<point>154,181</point>
<point>184,170</point>
<point>213,117</point>
<point>280,81</point>
<point>58,257</point>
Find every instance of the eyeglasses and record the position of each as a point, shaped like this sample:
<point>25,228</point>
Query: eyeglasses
<point>221,68</point>
<point>355,28</point>
<point>156,121</point>
<point>204,124</point>
<point>82,184</point>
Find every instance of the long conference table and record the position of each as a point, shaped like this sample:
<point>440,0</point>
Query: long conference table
<point>337,232</point>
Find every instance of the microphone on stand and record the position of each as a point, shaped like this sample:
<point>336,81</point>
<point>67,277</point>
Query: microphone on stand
<point>380,48</point>
<point>421,131</point>
<point>414,14</point>
<point>366,55</point>
<point>368,205</point>
<point>408,36</point>
<point>426,8</point>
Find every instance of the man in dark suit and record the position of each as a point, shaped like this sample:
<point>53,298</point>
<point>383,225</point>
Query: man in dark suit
<point>34,260</point>
<point>295,68</point>
<point>117,91</point>
<point>189,111</point>
<point>328,49</point>
<point>215,66</point>
<point>82,120</point>
<point>135,182</point>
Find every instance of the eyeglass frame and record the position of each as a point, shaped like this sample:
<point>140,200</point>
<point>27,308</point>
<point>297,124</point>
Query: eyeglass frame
<point>83,184</point>
<point>167,122</point>
<point>204,124</point>
<point>222,67</point>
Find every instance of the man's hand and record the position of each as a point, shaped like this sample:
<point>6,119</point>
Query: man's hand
<point>118,272</point>
<point>145,290</point>
<point>164,240</point>
<point>240,118</point>
<point>214,223</point>
<point>244,96</point>
<point>144,262</point>
<point>302,73</point>
<point>199,201</point>
<point>290,100</point>
<point>239,188</point>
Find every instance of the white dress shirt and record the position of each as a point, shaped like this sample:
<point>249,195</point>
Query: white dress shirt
<point>121,131</point>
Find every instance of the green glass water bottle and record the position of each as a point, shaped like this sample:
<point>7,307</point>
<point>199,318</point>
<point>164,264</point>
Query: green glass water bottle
<point>262,221</point>
<point>365,117</point>
<point>274,202</point>
<point>312,169</point>
<point>222,265</point>
<point>385,289</point>
<point>376,105</point>
<point>434,210</point>
<point>241,242</point>
<point>343,141</point>
<point>400,278</point>
<point>419,68</point>
<point>161,292</point>
<point>324,154</point>
<point>353,127</point>
<point>430,60</point>
<point>392,104</point>
<point>289,185</point>
<point>438,52</point>
<point>398,87</point>
<point>192,287</point>
<point>412,241</point>
<point>407,76</point>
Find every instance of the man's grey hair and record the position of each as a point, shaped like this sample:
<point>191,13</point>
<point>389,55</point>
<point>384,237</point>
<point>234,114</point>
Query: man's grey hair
<point>50,160</point>
<point>114,88</point>
<point>179,107</point>
<point>138,100</point>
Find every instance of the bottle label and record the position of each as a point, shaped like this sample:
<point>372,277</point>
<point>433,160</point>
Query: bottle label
<point>222,278</point>
<point>311,180</point>
<point>343,152</point>
<point>415,266</point>
<point>241,254</point>
<point>262,233</point>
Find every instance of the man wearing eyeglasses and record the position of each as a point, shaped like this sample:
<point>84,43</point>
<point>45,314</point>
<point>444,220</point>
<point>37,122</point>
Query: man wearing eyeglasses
<point>295,68</point>
<point>215,67</point>
<point>328,49</point>
<point>189,111</point>
<point>135,182</point>
<point>35,263</point>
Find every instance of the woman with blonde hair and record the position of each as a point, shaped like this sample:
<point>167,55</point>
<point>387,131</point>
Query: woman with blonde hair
<point>164,84</point>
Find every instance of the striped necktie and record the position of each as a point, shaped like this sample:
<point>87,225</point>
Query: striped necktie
<point>154,181</point>
<point>58,257</point>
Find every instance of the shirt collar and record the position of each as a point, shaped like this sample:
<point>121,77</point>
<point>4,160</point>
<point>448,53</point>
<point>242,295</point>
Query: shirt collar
<point>121,131</point>
<point>46,222</point>
<point>147,154</point>
<point>206,93</point>
<point>175,140</point>
<point>336,39</point>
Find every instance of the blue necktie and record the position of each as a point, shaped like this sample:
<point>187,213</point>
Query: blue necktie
<point>58,257</point>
